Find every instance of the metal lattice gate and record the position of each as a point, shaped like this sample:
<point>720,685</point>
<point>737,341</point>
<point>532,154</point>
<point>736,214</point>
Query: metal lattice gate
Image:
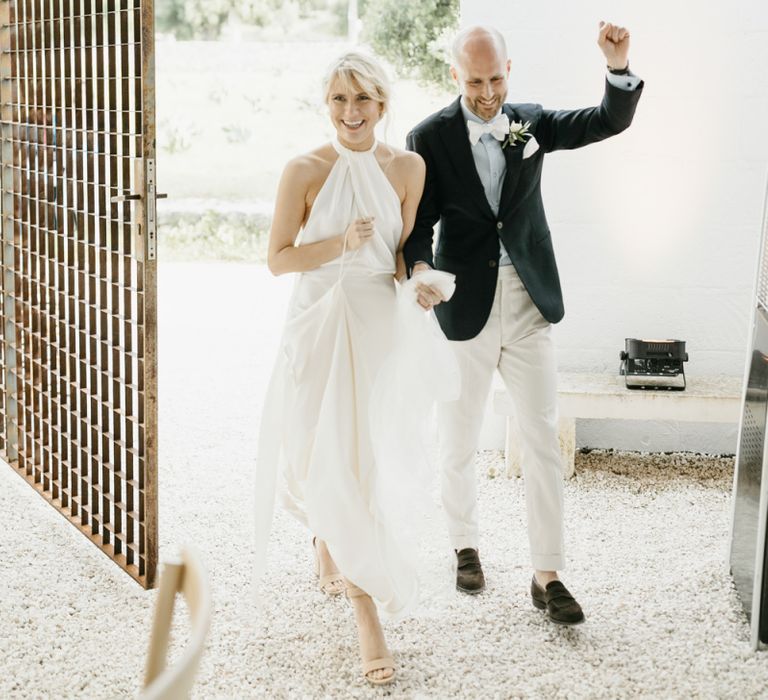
<point>78,285</point>
<point>748,556</point>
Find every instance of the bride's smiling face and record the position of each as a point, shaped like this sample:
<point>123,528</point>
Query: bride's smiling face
<point>354,114</point>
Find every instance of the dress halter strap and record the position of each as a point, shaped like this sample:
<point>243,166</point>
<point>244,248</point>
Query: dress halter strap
<point>351,155</point>
<point>343,150</point>
<point>343,255</point>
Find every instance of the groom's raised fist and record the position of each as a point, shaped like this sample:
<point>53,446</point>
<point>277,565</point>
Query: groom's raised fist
<point>613,41</point>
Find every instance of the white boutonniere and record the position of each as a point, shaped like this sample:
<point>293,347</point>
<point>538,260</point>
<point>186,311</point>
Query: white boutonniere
<point>518,133</point>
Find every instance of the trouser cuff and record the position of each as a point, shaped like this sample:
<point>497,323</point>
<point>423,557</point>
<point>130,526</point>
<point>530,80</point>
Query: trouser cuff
<point>548,562</point>
<point>459,542</point>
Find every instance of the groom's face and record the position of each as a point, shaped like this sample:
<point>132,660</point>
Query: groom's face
<point>481,74</point>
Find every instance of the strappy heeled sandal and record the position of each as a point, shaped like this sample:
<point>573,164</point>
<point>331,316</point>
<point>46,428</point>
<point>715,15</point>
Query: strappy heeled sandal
<point>381,664</point>
<point>330,584</point>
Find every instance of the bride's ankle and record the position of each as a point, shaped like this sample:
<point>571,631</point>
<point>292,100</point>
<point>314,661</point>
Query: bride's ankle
<point>368,623</point>
<point>365,609</point>
<point>322,549</point>
<point>362,601</point>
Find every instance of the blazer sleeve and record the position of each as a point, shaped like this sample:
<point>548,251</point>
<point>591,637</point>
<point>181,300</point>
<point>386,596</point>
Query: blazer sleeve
<point>418,246</point>
<point>565,129</point>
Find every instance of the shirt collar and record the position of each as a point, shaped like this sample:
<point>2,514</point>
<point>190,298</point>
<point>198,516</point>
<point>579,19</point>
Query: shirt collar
<point>469,115</point>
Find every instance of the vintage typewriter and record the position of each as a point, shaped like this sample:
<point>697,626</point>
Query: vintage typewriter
<point>653,364</point>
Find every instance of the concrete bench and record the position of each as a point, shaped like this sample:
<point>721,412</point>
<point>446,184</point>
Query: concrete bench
<point>582,395</point>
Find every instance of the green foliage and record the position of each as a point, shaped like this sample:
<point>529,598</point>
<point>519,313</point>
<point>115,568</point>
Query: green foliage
<point>176,136</point>
<point>414,36</point>
<point>236,133</point>
<point>260,13</point>
<point>192,19</point>
<point>214,235</point>
<point>341,21</point>
<point>205,19</point>
<point>340,10</point>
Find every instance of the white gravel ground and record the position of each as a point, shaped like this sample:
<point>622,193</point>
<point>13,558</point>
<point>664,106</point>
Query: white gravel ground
<point>646,536</point>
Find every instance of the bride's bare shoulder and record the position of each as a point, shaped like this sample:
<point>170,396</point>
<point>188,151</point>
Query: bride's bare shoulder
<point>402,158</point>
<point>311,166</point>
<point>405,164</point>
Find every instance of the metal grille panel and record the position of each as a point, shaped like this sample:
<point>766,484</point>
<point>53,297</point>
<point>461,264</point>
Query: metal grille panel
<point>749,469</point>
<point>78,352</point>
<point>762,285</point>
<point>749,530</point>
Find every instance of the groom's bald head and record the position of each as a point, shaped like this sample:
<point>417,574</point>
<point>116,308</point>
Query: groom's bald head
<point>477,39</point>
<point>480,68</point>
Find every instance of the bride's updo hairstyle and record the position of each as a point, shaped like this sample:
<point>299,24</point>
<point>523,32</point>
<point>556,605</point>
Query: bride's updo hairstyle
<point>356,71</point>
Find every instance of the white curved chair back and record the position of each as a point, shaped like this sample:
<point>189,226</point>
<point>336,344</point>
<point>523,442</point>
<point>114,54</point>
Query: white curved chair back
<point>189,578</point>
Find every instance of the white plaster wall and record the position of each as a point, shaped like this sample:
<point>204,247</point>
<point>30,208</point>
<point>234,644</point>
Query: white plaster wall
<point>657,230</point>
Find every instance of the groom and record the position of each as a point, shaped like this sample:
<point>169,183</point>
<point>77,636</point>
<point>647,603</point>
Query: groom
<point>484,160</point>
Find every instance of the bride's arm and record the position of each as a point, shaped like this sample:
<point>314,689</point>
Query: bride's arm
<point>290,211</point>
<point>413,172</point>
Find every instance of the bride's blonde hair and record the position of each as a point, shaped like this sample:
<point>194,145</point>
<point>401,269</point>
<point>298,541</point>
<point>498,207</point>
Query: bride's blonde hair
<point>354,70</point>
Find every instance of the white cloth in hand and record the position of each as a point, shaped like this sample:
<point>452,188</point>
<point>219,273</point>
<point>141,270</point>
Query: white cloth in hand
<point>444,282</point>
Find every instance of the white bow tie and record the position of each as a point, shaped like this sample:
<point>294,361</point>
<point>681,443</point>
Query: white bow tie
<point>497,127</point>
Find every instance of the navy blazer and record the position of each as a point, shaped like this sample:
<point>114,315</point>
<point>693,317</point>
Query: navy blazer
<point>468,241</point>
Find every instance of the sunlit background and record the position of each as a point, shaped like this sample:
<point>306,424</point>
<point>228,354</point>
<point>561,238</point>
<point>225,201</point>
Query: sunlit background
<point>239,94</point>
<point>656,230</point>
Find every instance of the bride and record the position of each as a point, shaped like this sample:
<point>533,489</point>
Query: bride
<point>359,362</point>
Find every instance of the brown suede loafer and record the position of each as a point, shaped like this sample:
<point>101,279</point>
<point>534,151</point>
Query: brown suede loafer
<point>560,605</point>
<point>469,573</point>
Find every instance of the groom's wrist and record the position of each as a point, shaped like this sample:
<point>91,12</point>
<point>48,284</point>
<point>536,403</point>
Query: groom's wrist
<point>618,70</point>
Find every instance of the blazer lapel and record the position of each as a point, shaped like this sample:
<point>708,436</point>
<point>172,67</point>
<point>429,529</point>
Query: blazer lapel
<point>514,157</point>
<point>454,136</point>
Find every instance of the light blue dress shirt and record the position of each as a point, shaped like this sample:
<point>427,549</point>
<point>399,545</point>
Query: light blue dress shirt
<point>492,166</point>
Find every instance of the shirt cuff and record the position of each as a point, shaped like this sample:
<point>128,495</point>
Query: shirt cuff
<point>626,82</point>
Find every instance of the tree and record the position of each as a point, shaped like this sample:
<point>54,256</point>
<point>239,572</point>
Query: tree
<point>413,36</point>
<point>205,19</point>
<point>192,19</point>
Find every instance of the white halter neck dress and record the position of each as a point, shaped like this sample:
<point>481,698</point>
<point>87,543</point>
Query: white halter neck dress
<point>344,418</point>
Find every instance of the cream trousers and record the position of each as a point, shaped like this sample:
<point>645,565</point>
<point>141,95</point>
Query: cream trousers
<point>517,341</point>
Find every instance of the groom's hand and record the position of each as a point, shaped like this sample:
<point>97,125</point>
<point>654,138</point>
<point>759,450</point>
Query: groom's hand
<point>613,41</point>
<point>428,297</point>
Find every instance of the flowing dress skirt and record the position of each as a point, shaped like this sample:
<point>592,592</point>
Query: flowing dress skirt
<point>358,370</point>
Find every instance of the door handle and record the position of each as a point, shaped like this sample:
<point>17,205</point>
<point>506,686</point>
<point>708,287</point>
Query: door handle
<point>132,197</point>
<point>151,209</point>
<point>124,198</point>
